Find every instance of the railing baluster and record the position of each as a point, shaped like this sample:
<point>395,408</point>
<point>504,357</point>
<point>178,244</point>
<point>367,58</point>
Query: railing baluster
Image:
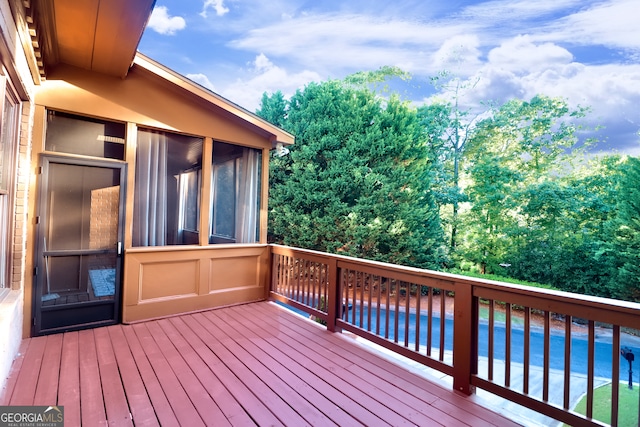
<point>547,357</point>
<point>296,279</point>
<point>301,281</point>
<point>371,281</point>
<point>491,336</point>
<point>526,349</point>
<point>292,277</point>
<point>302,277</point>
<point>353,279</point>
<point>287,278</point>
<point>407,313</point>
<point>590,368</point>
<point>507,349</point>
<point>319,288</point>
<point>306,281</point>
<point>311,300</point>
<point>325,286</point>
<point>311,272</point>
<point>320,285</point>
<point>418,316</point>
<point>567,361</point>
<point>615,375</point>
<point>378,301</point>
<point>360,279</point>
<point>396,311</point>
<point>275,273</point>
<point>443,315</point>
<point>387,309</point>
<point>429,320</point>
<point>344,277</point>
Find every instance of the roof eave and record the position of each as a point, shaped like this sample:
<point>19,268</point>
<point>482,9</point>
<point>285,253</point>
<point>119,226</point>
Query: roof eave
<point>279,136</point>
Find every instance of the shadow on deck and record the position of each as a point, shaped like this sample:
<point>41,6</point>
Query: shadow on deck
<point>244,365</point>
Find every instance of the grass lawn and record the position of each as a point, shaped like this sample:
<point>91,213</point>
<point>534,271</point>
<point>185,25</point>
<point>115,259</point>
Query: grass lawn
<point>499,316</point>
<point>627,408</point>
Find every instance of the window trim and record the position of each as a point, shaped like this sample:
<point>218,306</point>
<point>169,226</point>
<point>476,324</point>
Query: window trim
<point>7,214</point>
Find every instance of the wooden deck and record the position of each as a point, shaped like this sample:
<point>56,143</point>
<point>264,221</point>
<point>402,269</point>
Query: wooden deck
<point>255,364</point>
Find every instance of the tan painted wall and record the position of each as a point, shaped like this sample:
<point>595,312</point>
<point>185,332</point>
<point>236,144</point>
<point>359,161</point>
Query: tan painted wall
<point>146,100</point>
<point>168,281</point>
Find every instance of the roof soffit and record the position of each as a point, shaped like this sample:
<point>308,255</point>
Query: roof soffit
<point>96,35</point>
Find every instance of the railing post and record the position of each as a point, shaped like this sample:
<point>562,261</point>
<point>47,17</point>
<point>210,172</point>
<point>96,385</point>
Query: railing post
<point>272,271</point>
<point>465,346</point>
<point>334,300</point>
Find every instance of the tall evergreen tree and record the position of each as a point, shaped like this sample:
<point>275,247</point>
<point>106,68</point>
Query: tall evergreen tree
<point>357,181</point>
<point>626,234</point>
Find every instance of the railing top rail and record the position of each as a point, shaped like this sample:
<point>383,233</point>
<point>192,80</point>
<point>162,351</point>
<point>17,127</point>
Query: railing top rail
<point>523,291</point>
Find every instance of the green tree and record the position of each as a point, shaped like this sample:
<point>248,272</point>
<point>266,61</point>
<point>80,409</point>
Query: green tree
<point>273,108</point>
<point>625,230</point>
<point>356,181</point>
<point>519,206</point>
<point>450,127</point>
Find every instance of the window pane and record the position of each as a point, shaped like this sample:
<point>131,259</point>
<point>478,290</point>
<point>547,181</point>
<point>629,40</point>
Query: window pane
<point>67,133</point>
<point>224,184</point>
<point>235,205</point>
<point>8,149</point>
<point>190,199</point>
<point>162,199</point>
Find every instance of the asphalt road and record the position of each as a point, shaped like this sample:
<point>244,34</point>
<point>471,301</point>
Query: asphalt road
<point>579,343</point>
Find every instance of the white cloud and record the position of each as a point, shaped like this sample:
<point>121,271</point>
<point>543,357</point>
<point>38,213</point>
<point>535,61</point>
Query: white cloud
<point>516,10</point>
<point>504,48</point>
<point>349,42</point>
<point>520,54</point>
<point>521,69</point>
<point>611,23</point>
<point>161,22</point>
<point>217,5</point>
<point>202,80</point>
<point>262,63</point>
<point>265,76</point>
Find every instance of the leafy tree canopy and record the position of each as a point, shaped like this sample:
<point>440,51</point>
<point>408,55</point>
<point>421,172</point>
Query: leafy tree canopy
<point>357,179</point>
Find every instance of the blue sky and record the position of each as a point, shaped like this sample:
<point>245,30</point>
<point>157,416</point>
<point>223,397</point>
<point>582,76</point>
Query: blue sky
<point>587,51</point>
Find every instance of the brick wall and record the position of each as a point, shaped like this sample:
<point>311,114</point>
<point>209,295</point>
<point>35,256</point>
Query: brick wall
<point>23,169</point>
<point>103,229</point>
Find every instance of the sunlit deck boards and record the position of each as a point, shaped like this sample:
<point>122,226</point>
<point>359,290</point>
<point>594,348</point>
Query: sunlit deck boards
<point>245,365</point>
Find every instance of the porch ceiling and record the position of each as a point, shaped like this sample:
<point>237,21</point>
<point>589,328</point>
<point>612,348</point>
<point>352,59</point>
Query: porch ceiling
<point>96,35</point>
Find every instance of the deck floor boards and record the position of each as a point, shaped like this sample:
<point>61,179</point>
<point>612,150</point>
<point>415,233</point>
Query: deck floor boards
<point>255,364</point>
<point>69,383</point>
<point>289,370</point>
<point>378,401</point>
<point>91,398</point>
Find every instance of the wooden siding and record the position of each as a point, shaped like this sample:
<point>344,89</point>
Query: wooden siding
<point>244,365</point>
<point>171,280</point>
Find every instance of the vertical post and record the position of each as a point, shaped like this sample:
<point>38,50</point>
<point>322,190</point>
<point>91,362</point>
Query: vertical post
<point>465,346</point>
<point>273,268</point>
<point>334,299</point>
<point>627,353</point>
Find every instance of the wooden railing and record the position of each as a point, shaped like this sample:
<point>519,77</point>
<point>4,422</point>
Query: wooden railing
<point>520,343</point>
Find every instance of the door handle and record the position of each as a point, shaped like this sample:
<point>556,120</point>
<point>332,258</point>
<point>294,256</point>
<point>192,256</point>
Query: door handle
<point>119,248</point>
